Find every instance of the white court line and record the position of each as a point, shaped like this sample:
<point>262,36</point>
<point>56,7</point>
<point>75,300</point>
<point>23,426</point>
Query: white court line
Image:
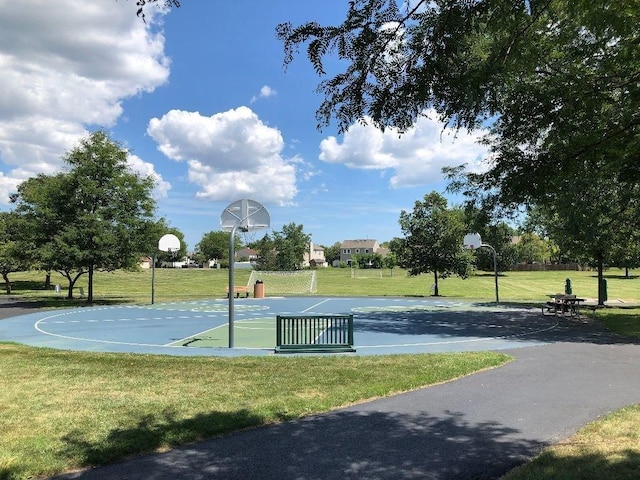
<point>316,305</point>
<point>172,344</point>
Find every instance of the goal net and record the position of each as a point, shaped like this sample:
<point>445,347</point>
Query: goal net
<point>285,282</point>
<point>366,272</point>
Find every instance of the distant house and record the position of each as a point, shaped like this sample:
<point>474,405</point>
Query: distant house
<point>146,262</point>
<point>247,254</point>
<point>314,257</point>
<point>348,248</point>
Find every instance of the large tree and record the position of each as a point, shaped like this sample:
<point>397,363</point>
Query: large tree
<point>433,234</point>
<point>594,219</point>
<point>96,215</point>
<point>291,244</point>
<point>283,250</point>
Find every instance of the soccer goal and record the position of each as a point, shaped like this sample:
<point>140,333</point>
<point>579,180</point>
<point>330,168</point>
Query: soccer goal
<point>286,282</point>
<point>366,272</point>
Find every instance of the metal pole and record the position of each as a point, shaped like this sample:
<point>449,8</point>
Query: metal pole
<point>153,278</point>
<point>495,268</point>
<point>231,282</point>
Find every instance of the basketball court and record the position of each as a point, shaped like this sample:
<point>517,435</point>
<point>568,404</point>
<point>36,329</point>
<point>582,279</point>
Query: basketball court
<point>381,326</point>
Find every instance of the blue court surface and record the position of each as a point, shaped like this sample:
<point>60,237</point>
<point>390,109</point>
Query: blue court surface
<point>381,326</point>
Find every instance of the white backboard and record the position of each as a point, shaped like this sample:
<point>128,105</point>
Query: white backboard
<point>245,215</point>
<point>472,241</point>
<point>169,243</point>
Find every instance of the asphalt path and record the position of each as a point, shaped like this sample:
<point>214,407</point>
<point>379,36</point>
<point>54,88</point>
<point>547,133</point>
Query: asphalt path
<point>477,427</point>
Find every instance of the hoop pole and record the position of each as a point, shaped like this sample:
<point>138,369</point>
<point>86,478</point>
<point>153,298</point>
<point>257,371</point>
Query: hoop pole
<point>495,268</point>
<point>153,278</point>
<point>231,282</point>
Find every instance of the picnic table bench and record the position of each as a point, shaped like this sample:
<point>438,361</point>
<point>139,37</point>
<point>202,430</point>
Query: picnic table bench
<point>238,289</point>
<point>561,303</point>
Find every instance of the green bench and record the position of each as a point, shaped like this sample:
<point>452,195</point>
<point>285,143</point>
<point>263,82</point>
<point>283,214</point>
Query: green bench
<point>314,333</point>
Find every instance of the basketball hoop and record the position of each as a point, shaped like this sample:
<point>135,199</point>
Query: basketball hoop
<point>245,216</point>
<point>168,243</point>
<point>472,241</point>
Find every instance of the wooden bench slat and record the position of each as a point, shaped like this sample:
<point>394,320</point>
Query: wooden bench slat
<point>238,289</point>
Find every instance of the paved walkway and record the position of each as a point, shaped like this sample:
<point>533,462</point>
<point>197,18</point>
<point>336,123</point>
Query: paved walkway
<point>478,427</point>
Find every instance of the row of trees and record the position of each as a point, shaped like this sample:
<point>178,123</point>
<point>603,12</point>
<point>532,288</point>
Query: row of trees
<point>280,250</point>
<point>433,233</point>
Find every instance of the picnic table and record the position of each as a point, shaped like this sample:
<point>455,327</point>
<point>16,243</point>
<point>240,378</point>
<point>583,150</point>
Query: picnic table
<point>561,303</point>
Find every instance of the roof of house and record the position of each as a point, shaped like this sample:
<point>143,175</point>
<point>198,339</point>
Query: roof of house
<point>367,243</point>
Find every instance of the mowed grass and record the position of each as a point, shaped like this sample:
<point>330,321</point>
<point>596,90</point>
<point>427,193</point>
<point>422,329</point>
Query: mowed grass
<point>187,284</point>
<point>65,410</point>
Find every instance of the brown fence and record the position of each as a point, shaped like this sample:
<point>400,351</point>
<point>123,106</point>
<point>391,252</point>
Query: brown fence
<point>539,267</point>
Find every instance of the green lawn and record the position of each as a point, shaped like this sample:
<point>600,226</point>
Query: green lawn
<point>185,284</point>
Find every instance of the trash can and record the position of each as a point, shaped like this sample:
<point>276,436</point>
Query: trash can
<point>567,287</point>
<point>603,285</point>
<point>258,289</point>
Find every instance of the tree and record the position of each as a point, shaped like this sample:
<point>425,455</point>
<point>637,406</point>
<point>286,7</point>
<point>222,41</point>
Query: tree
<point>13,255</point>
<point>215,245</point>
<point>290,244</point>
<point>593,218</point>
<point>96,215</point>
<point>531,248</point>
<point>432,242</point>
<point>332,253</point>
<point>266,254</point>
<point>390,261</point>
<point>366,260</point>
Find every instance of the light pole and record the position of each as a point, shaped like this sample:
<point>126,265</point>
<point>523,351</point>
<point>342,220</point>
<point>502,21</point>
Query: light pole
<point>473,241</point>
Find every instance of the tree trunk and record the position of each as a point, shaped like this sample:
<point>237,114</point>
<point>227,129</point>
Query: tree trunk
<point>436,292</point>
<point>7,283</point>
<point>90,286</point>
<point>601,292</point>
<point>47,281</point>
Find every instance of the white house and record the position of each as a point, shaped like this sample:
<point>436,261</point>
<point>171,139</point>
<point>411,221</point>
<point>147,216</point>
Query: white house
<point>314,257</point>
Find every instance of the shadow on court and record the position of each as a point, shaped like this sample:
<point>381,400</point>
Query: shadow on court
<point>526,324</point>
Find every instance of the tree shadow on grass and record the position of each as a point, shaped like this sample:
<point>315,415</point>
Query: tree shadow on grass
<point>337,445</point>
<point>153,432</point>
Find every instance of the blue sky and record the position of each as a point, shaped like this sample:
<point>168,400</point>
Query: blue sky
<point>200,98</point>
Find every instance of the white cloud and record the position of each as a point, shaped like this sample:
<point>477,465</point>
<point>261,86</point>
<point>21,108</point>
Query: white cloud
<point>147,169</point>
<point>230,155</point>
<point>66,66</point>
<point>265,92</point>
<point>416,157</point>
